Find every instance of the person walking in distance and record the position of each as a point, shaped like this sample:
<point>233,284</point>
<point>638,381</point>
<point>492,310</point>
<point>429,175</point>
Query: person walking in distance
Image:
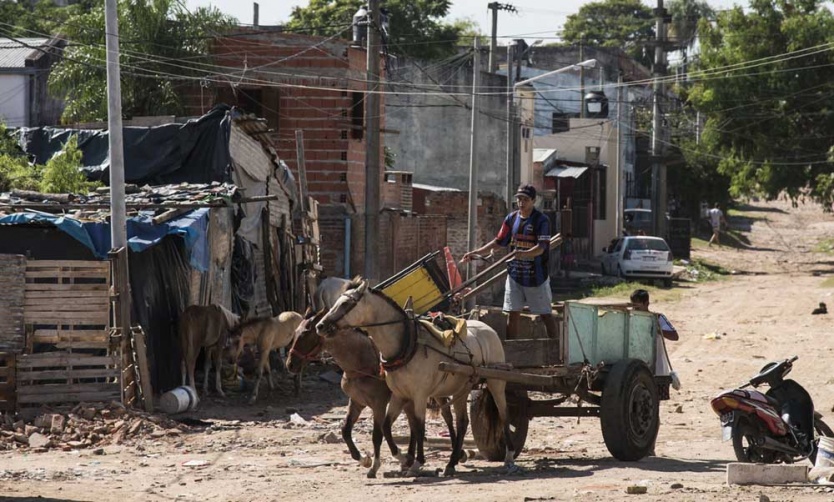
<point>716,219</point>
<point>525,231</point>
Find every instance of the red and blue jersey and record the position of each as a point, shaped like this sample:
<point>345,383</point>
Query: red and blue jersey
<point>522,234</point>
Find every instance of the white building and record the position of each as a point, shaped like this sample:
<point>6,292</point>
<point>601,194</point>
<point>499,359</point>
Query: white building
<point>25,64</point>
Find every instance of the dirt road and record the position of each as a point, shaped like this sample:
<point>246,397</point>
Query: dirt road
<point>254,453</point>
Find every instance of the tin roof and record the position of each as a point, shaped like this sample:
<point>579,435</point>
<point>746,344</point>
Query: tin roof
<point>13,53</point>
<point>566,172</point>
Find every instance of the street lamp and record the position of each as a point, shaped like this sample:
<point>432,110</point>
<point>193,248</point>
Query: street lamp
<point>591,63</point>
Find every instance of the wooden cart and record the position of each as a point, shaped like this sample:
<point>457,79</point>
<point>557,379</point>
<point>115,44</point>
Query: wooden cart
<point>603,362</point>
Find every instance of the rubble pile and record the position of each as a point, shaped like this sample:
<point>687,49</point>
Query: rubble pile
<point>87,425</point>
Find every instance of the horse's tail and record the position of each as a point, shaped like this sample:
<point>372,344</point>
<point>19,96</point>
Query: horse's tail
<point>489,410</point>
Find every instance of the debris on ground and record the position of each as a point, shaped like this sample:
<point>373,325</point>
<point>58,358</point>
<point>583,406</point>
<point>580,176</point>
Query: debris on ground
<point>86,425</point>
<point>822,309</point>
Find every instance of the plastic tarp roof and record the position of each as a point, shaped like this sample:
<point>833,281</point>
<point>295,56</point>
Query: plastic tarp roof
<point>194,152</point>
<point>142,233</point>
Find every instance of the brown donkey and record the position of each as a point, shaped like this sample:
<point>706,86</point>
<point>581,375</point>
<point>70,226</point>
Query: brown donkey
<point>208,327</point>
<point>362,382</point>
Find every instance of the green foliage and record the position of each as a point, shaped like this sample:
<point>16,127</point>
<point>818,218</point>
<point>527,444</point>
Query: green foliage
<point>686,15</point>
<point>62,173</point>
<point>15,171</point>
<point>770,126</point>
<point>416,26</point>
<point>42,19</point>
<point>161,42</point>
<point>624,24</point>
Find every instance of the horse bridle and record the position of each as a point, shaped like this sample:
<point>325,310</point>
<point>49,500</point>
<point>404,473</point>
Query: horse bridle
<point>352,301</point>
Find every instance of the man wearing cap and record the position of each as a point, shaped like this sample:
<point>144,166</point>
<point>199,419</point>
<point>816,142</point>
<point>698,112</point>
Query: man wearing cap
<point>527,232</point>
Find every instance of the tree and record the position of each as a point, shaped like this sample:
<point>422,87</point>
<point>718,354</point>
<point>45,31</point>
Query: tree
<point>686,14</point>
<point>62,173</point>
<point>164,47</point>
<point>770,124</point>
<point>625,24</point>
<point>416,26</point>
<point>41,19</point>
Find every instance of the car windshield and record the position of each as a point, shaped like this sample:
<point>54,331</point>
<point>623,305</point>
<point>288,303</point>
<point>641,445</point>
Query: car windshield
<point>647,244</point>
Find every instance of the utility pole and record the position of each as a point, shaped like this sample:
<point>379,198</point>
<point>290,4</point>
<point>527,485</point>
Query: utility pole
<point>255,14</point>
<point>511,126</point>
<point>493,43</point>
<point>658,150</point>
<point>372,116</point>
<point>472,221</point>
<point>118,228</point>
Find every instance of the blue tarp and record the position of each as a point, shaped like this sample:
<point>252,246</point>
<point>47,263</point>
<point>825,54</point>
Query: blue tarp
<point>141,232</point>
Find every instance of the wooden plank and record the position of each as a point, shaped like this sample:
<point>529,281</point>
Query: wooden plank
<point>57,336</point>
<point>67,305</point>
<point>506,375</point>
<point>63,359</point>
<point>35,294</point>
<point>39,390</point>
<point>144,367</point>
<point>64,318</point>
<point>39,264</point>
<point>530,353</point>
<point>63,397</point>
<point>66,274</point>
<point>32,376</point>
<point>42,286</point>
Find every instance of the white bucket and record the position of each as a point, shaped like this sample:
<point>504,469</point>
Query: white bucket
<point>825,452</point>
<point>178,400</point>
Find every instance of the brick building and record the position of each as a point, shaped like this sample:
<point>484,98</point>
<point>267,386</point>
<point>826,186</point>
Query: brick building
<point>316,85</point>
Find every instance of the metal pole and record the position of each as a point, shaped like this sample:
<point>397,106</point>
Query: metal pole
<point>582,79</point>
<point>255,16</point>
<point>493,43</point>
<point>618,222</point>
<point>118,229</point>
<point>510,125</point>
<point>372,157</point>
<point>472,221</point>
<point>658,164</point>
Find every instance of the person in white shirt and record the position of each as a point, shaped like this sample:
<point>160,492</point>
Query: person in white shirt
<point>716,219</point>
<point>640,301</point>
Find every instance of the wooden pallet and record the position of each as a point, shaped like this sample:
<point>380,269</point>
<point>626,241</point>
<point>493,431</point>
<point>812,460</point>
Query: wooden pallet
<point>65,378</point>
<point>68,356</point>
<point>7,382</point>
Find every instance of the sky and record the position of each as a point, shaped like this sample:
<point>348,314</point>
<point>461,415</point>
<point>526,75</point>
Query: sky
<point>536,19</point>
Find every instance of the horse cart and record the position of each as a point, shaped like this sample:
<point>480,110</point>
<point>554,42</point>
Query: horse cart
<point>601,364</point>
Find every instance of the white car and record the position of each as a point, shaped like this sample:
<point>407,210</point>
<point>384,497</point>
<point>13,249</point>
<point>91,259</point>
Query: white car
<point>638,257</point>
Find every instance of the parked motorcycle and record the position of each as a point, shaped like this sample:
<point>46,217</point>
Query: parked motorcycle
<point>778,426</point>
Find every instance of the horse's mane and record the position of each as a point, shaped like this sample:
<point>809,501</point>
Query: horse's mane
<point>250,322</point>
<point>232,319</point>
<point>355,282</point>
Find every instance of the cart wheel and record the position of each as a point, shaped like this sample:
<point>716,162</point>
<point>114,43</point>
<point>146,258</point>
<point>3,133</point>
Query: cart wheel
<point>630,410</point>
<point>490,440</point>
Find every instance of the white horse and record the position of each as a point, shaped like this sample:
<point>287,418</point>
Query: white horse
<point>410,357</point>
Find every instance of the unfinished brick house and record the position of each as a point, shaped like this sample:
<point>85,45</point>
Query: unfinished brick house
<point>313,84</point>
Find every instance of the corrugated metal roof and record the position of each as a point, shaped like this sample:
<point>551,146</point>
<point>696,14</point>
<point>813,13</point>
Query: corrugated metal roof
<point>13,53</point>
<point>433,188</point>
<point>566,172</point>
<point>542,154</point>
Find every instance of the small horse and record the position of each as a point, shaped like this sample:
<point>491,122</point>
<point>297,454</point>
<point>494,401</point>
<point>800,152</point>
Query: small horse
<point>362,381</point>
<point>205,327</point>
<point>328,292</point>
<point>413,375</point>
<point>268,333</point>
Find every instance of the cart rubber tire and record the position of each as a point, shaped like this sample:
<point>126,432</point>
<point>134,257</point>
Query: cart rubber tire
<point>630,410</point>
<point>491,444</point>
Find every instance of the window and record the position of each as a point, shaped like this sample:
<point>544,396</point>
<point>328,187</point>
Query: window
<point>344,135</point>
<point>344,156</point>
<point>357,115</point>
<point>390,178</point>
<point>343,177</point>
<point>560,122</point>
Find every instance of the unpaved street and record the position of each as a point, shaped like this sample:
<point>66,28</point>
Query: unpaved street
<point>729,329</point>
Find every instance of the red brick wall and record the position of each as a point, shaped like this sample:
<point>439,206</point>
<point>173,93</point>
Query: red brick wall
<point>310,89</point>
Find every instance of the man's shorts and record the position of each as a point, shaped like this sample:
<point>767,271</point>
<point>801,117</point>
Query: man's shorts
<point>537,298</point>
